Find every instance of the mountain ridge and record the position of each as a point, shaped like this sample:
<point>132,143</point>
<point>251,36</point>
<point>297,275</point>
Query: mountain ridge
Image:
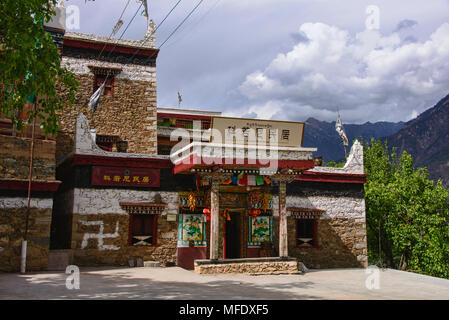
<point>322,135</point>
<point>426,138</point>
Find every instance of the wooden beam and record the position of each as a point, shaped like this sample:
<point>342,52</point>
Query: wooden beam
<point>214,218</point>
<point>283,240</point>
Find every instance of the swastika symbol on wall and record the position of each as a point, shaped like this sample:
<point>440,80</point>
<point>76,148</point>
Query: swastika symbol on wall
<point>100,236</point>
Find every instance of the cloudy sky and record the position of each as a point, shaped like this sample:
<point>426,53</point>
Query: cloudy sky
<point>294,59</point>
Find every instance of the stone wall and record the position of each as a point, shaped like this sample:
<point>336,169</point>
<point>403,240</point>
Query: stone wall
<point>251,266</point>
<point>129,113</point>
<point>12,229</point>
<point>341,244</point>
<point>96,209</point>
<point>15,158</point>
<point>111,247</point>
<point>341,228</point>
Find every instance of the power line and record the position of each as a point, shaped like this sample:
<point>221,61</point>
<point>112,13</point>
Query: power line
<point>185,19</point>
<point>196,23</point>
<point>132,19</point>
<point>112,32</point>
<point>154,31</point>
<point>171,34</point>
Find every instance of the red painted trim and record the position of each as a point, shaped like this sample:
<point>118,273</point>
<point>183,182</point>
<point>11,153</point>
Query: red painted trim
<point>130,229</point>
<point>195,162</point>
<point>54,29</point>
<point>183,116</point>
<point>332,177</point>
<point>85,160</point>
<point>101,78</point>
<point>51,186</point>
<point>224,238</point>
<point>98,46</point>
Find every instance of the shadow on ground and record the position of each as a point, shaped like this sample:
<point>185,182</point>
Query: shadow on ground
<point>95,285</point>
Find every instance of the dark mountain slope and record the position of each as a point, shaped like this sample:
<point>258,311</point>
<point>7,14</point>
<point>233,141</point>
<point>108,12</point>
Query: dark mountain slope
<point>426,138</point>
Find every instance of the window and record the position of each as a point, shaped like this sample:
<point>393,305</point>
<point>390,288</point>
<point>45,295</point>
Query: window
<point>106,142</point>
<point>306,233</point>
<point>109,85</point>
<point>143,229</point>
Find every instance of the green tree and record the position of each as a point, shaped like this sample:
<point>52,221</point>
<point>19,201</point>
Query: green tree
<point>407,214</point>
<point>30,69</point>
<point>334,164</point>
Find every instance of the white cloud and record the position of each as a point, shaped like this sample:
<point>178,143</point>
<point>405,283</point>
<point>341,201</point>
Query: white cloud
<point>368,76</point>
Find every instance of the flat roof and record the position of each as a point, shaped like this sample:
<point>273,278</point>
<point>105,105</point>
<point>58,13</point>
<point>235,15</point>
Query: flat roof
<point>189,112</point>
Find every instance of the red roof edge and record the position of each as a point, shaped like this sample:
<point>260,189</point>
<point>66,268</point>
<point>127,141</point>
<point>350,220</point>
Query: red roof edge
<point>84,160</point>
<point>98,46</point>
<point>332,177</point>
<point>22,185</point>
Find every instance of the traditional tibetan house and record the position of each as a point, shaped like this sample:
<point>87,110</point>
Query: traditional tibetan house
<point>132,195</point>
<point>228,212</point>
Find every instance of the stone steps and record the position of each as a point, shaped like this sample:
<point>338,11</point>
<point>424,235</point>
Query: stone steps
<point>139,263</point>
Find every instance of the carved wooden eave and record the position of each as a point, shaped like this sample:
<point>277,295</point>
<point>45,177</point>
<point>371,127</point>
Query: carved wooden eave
<point>305,213</point>
<point>105,70</point>
<point>143,207</point>
<point>106,139</point>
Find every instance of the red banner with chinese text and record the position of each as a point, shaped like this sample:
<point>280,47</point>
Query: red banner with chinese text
<point>132,177</point>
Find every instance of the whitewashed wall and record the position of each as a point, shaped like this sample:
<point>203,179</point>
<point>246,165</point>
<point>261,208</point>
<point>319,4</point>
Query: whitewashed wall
<point>22,202</point>
<point>104,201</point>
<point>129,71</point>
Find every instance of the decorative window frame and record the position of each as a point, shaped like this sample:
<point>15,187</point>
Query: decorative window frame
<point>106,142</point>
<point>143,209</point>
<point>306,214</point>
<point>102,71</point>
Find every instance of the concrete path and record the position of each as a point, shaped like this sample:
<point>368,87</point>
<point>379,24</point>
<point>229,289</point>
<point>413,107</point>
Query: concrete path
<point>177,283</point>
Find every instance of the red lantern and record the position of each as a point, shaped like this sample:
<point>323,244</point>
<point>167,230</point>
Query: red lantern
<point>254,212</point>
<point>206,211</point>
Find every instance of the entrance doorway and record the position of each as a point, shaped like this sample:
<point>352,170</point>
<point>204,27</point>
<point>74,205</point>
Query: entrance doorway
<point>232,236</point>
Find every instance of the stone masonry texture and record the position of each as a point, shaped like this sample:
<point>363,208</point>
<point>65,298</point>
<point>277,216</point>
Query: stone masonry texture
<point>15,158</point>
<point>116,249</point>
<point>129,113</point>
<point>12,229</point>
<point>278,267</point>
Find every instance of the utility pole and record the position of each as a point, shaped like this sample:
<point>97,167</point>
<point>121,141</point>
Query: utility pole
<point>30,179</point>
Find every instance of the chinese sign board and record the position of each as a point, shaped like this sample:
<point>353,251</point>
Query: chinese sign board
<point>286,133</point>
<point>132,177</point>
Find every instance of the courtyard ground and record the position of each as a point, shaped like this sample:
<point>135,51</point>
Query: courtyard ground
<point>177,283</point>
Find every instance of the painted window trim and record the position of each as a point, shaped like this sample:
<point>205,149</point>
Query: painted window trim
<point>111,86</point>
<point>130,230</point>
<point>315,234</point>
